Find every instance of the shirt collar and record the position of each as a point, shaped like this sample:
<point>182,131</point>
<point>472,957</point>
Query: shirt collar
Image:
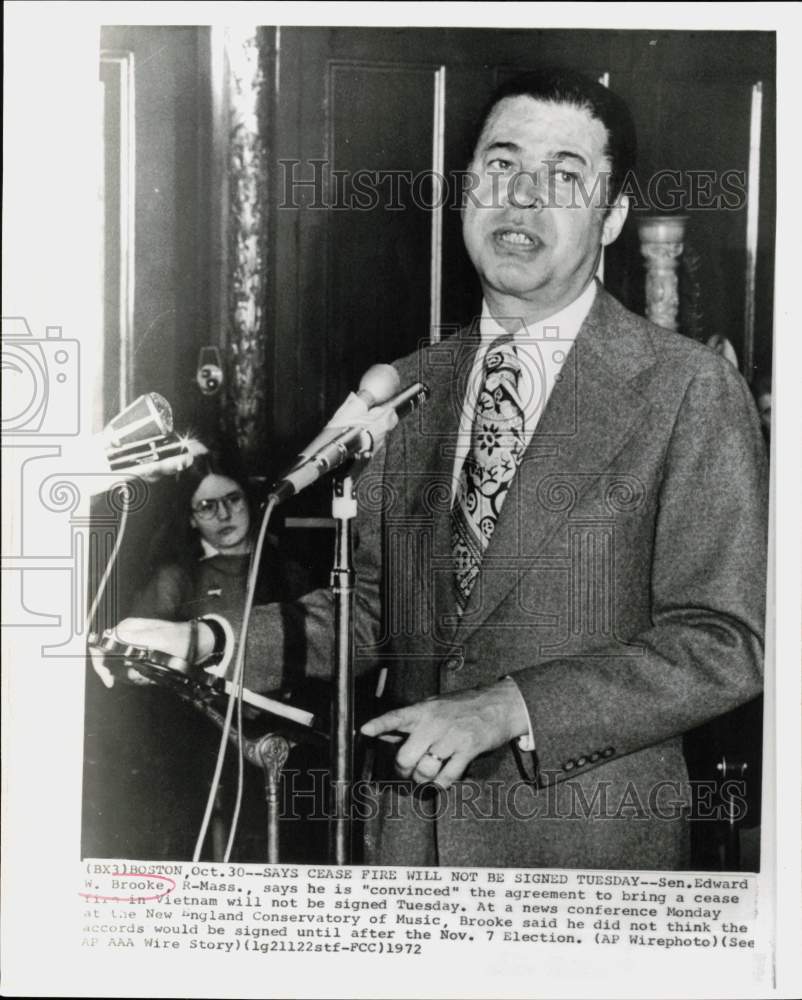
<point>209,551</point>
<point>563,325</point>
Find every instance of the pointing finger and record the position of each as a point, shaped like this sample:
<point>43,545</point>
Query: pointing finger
<point>397,719</point>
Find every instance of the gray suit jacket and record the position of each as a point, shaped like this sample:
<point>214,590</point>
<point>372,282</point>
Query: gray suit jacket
<point>623,589</point>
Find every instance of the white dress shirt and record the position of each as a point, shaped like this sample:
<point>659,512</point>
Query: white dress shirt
<point>542,350</point>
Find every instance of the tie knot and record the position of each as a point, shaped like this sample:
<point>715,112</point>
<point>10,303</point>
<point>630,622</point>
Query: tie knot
<point>501,354</point>
<point>502,365</point>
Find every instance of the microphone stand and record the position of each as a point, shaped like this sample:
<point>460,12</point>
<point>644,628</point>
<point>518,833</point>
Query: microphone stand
<point>343,580</point>
<point>343,448</point>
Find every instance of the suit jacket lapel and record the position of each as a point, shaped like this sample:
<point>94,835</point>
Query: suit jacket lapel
<point>589,418</point>
<point>430,445</point>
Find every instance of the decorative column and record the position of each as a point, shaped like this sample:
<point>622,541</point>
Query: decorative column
<point>661,243</point>
<point>246,238</point>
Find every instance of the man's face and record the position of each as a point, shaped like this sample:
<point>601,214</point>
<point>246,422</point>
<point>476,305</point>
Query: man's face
<point>534,224</point>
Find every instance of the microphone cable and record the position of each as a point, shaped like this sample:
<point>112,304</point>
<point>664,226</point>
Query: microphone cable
<point>101,587</point>
<point>235,698</point>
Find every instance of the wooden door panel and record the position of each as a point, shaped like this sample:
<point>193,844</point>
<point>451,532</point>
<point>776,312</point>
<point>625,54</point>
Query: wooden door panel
<point>380,137</point>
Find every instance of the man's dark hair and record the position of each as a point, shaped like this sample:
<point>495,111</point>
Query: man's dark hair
<point>563,86</point>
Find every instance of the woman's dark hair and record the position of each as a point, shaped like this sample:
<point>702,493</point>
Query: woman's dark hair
<point>176,541</point>
<point>563,86</point>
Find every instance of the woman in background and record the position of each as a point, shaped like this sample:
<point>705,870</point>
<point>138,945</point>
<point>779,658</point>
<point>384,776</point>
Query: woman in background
<point>199,560</point>
<point>198,564</point>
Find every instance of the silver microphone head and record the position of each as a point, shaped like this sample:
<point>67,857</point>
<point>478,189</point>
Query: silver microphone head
<point>150,416</point>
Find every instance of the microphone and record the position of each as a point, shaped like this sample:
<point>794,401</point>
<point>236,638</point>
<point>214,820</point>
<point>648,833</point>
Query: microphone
<point>362,437</point>
<point>142,433</point>
<point>138,441</point>
<point>376,386</point>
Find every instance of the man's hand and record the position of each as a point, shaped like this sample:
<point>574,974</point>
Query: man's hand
<point>446,733</point>
<point>166,637</point>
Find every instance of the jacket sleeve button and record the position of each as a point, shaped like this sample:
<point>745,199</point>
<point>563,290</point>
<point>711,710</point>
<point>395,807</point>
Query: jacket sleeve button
<point>569,765</point>
<point>581,761</point>
<point>608,752</point>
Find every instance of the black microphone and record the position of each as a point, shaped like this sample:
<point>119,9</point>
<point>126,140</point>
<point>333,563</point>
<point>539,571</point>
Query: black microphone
<point>348,443</point>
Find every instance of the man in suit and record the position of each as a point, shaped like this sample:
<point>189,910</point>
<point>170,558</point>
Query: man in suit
<point>561,559</point>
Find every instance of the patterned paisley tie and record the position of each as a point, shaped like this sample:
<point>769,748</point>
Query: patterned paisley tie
<point>497,445</point>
